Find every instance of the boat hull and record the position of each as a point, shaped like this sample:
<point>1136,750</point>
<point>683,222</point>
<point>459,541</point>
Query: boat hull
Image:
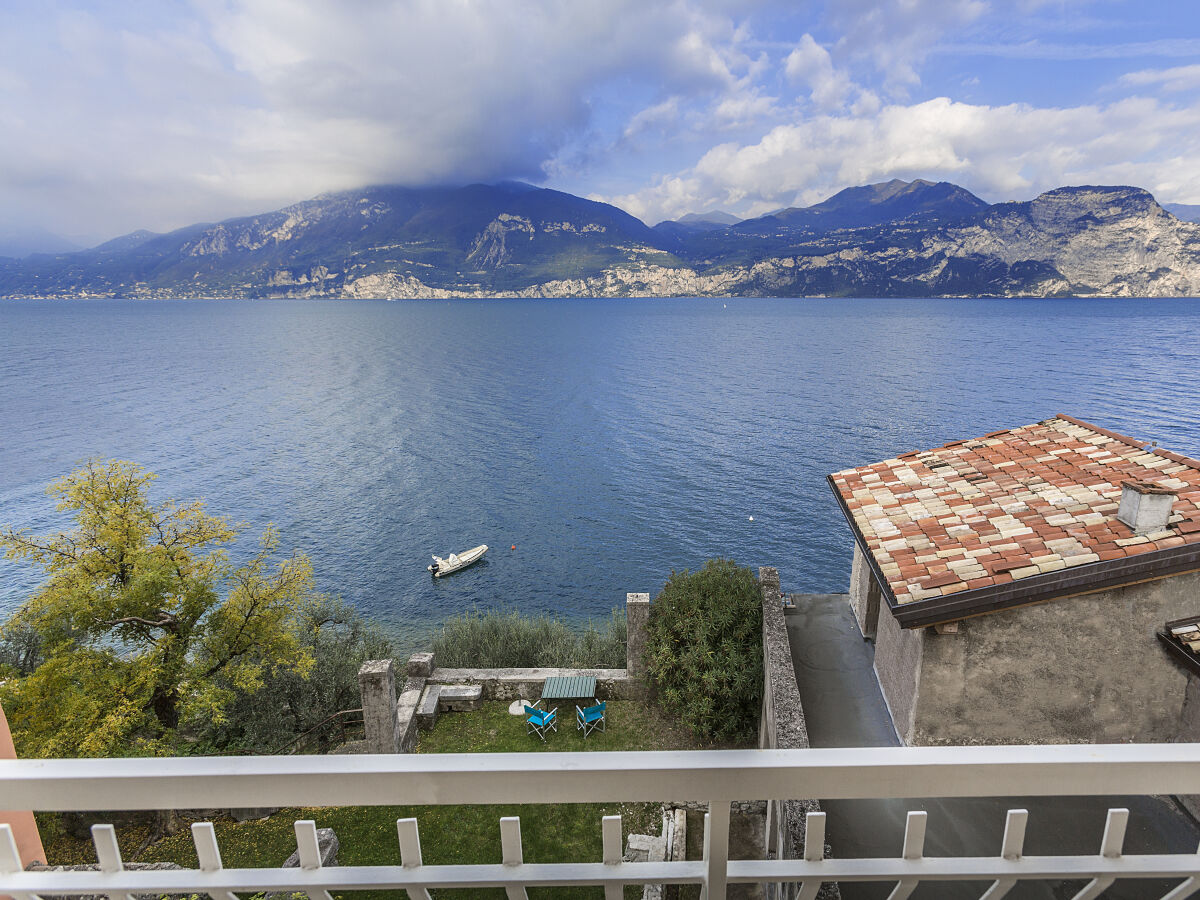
<point>457,562</point>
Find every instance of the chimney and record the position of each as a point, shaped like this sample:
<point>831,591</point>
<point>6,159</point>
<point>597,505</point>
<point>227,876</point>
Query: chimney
<point>1145,506</point>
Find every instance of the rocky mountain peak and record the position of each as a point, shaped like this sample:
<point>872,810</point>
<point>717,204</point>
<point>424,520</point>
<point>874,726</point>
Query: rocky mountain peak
<point>1074,207</point>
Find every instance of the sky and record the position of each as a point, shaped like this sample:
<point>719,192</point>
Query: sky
<point>119,116</point>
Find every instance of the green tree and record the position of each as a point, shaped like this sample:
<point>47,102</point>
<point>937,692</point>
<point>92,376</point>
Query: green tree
<point>289,703</point>
<point>704,649</point>
<point>143,628</point>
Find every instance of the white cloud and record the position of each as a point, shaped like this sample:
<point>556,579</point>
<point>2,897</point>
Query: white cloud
<point>118,116</point>
<point>1179,78</point>
<point>122,119</point>
<point>1000,152</point>
<point>811,65</point>
<point>895,36</point>
<point>658,115</point>
<point>1038,49</point>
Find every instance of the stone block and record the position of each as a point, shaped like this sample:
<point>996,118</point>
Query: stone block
<point>460,697</point>
<point>526,684</point>
<point>420,665</point>
<point>679,835</point>
<point>406,715</point>
<point>427,709</point>
<point>327,842</point>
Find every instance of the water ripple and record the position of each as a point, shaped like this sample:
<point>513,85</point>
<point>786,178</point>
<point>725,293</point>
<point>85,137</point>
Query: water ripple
<point>610,441</point>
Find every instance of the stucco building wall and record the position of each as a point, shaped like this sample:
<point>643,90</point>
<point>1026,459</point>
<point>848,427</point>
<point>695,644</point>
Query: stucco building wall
<point>1085,669</point>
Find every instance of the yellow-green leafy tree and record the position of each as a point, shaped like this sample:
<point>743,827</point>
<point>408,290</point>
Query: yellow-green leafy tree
<point>144,628</point>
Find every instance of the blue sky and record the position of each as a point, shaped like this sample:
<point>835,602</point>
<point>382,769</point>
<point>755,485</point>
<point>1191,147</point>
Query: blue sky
<point>117,116</point>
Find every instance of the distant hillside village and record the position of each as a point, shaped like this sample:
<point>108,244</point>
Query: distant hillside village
<point>895,239</point>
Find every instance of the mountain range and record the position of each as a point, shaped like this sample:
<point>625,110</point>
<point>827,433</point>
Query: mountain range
<point>511,239</point>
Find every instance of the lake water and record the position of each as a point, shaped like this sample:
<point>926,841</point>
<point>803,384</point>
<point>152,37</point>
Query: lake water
<point>608,440</point>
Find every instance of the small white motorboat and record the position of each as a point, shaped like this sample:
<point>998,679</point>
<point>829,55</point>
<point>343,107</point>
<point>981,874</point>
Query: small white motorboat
<point>456,561</point>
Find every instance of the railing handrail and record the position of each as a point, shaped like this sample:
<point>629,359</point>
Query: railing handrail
<point>714,775</point>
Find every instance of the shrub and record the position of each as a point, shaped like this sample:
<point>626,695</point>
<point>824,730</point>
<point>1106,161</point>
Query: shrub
<point>704,649</point>
<point>501,640</point>
<point>288,703</point>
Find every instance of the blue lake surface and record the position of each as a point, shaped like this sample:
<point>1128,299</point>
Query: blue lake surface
<point>608,440</point>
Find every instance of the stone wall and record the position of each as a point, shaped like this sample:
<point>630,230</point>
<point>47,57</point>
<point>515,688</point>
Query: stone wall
<point>782,727</point>
<point>518,684</point>
<point>637,615</point>
<point>391,721</point>
<point>1084,669</point>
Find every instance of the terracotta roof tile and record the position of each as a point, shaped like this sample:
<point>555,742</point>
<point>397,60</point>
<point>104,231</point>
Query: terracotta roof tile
<point>1011,505</point>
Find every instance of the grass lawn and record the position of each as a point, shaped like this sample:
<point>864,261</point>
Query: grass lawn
<point>630,724</point>
<point>449,834</point>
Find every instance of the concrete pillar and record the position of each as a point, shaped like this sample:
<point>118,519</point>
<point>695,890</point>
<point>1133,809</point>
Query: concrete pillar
<point>377,685</point>
<point>637,614</point>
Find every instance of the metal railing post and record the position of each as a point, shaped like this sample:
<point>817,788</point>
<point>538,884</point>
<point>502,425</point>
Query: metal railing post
<point>716,850</point>
<point>512,853</point>
<point>410,853</point>
<point>610,827</point>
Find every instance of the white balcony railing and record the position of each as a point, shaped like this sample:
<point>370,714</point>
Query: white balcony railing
<point>716,777</point>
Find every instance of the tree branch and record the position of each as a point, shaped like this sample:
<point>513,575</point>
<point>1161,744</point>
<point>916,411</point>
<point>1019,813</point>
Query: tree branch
<point>166,620</point>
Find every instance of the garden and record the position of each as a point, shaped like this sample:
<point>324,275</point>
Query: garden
<point>172,650</point>
<point>449,834</point>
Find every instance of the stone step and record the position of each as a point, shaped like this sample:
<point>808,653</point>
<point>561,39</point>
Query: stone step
<point>427,710</point>
<point>460,697</point>
<point>406,714</point>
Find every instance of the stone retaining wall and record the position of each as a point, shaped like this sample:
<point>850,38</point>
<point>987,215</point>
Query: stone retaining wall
<point>782,727</point>
<point>745,807</point>
<point>526,684</point>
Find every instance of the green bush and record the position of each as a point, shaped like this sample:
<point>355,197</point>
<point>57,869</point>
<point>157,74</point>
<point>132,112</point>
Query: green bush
<point>704,649</point>
<point>287,704</point>
<point>504,640</point>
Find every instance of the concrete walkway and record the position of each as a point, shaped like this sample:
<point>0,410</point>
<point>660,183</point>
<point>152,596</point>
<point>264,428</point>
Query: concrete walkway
<point>844,708</point>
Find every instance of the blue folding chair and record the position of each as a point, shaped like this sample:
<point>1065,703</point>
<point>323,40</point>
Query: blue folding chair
<point>590,718</point>
<point>539,721</point>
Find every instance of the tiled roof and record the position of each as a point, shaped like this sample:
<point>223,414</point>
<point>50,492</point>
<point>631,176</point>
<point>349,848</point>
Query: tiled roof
<point>1011,505</point>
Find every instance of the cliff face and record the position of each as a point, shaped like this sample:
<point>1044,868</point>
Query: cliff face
<point>518,241</point>
<point>1115,242</point>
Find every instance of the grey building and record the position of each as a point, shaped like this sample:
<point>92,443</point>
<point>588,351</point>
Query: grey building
<point>1023,587</point>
